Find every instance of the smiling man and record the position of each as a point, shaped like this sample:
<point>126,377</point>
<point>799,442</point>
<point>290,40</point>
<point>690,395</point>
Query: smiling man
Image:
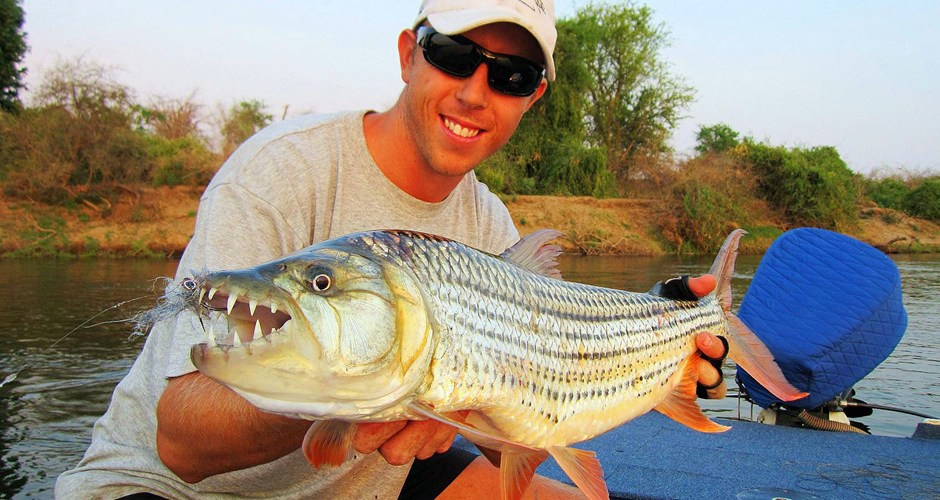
<point>471,70</point>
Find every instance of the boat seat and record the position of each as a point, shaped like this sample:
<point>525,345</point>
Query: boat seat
<point>828,307</point>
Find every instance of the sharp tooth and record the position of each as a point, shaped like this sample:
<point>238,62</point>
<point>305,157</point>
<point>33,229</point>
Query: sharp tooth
<point>236,340</point>
<point>210,336</point>
<point>252,304</point>
<point>202,296</point>
<point>273,308</point>
<point>231,303</point>
<point>212,292</point>
<point>257,334</point>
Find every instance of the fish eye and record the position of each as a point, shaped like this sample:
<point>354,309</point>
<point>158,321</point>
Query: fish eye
<point>321,282</point>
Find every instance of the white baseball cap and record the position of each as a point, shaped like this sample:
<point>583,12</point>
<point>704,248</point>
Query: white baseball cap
<point>453,17</point>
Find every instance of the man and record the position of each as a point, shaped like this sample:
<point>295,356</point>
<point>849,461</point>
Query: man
<point>173,432</point>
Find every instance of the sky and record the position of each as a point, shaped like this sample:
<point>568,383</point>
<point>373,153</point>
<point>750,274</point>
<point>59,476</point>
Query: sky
<point>862,76</point>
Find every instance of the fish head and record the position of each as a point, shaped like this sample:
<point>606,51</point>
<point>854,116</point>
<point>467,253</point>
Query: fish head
<point>330,331</point>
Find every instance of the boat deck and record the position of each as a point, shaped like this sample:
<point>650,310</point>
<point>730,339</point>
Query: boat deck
<point>653,457</point>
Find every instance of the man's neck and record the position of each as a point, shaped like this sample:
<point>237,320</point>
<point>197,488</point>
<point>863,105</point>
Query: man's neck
<point>394,151</point>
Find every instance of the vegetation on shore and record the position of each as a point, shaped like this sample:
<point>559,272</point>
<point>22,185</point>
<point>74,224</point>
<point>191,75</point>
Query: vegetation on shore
<point>88,169</point>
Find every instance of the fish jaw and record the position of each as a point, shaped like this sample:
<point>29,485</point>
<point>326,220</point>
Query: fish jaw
<point>336,334</point>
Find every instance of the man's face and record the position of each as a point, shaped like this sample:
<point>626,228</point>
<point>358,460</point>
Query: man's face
<point>458,122</point>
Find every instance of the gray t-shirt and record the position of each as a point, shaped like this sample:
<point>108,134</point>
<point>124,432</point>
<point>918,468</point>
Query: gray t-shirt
<point>293,184</point>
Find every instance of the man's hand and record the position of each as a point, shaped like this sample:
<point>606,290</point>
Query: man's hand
<point>401,441</point>
<point>711,384</point>
<point>714,349</point>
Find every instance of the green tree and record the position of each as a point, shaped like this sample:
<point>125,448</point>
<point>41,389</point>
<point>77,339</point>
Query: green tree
<point>78,141</point>
<point>549,153</point>
<point>633,102</point>
<point>12,49</point>
<point>716,138</point>
<point>241,122</point>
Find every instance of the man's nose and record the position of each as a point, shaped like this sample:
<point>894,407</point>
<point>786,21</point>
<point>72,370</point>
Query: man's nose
<point>474,90</point>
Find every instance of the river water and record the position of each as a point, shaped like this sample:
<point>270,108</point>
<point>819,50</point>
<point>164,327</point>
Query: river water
<point>47,413</point>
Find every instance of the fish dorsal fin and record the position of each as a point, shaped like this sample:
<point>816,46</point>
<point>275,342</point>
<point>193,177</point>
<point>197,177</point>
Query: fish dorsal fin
<point>723,267</point>
<point>533,253</point>
<point>680,404</point>
<point>329,442</point>
<point>584,469</point>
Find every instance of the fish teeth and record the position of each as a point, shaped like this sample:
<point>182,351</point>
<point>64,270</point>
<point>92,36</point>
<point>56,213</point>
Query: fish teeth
<point>252,305</point>
<point>236,340</point>
<point>212,292</point>
<point>257,333</point>
<point>231,303</point>
<point>202,296</point>
<point>273,308</point>
<point>210,336</point>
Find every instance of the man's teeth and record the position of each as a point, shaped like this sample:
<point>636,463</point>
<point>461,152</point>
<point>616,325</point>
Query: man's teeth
<point>460,129</point>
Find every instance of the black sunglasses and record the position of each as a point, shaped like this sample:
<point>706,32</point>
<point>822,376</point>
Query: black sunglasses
<point>458,56</point>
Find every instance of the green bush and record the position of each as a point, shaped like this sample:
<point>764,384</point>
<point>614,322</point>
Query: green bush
<point>813,187</point>
<point>887,193</point>
<point>924,200</point>
<point>185,160</point>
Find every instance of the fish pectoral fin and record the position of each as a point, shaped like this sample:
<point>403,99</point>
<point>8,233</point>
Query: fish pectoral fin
<point>681,406</point>
<point>516,470</point>
<point>583,468</point>
<point>474,428</point>
<point>534,253</point>
<point>329,442</point>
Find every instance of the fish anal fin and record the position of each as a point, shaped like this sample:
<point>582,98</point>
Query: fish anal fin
<point>746,349</point>
<point>583,468</point>
<point>517,467</point>
<point>681,406</point>
<point>329,442</point>
<point>534,254</point>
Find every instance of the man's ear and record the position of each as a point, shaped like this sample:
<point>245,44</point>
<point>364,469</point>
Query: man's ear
<point>539,92</point>
<point>407,40</point>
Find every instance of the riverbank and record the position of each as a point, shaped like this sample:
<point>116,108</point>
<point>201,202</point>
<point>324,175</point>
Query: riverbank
<point>158,222</point>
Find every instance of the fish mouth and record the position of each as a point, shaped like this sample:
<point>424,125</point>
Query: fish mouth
<point>239,317</point>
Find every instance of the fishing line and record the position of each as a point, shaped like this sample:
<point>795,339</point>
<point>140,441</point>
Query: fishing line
<point>140,320</point>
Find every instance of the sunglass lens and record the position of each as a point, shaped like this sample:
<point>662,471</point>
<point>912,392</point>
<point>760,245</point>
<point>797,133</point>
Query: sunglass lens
<point>452,57</point>
<point>513,78</point>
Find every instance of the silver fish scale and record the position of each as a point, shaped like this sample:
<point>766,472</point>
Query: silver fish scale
<point>537,350</point>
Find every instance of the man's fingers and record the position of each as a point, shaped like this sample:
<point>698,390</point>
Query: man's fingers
<point>370,436</point>
<point>711,346</point>
<point>701,286</point>
<point>439,443</point>
<point>405,445</point>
